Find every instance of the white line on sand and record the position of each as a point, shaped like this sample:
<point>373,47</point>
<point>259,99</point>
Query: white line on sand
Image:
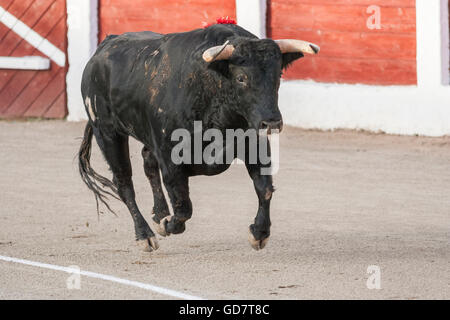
<point>145,286</point>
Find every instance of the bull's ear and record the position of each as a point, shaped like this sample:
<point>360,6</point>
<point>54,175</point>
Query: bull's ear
<point>288,58</point>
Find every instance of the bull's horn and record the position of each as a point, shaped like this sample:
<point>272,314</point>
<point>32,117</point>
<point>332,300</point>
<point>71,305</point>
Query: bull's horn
<point>222,52</point>
<point>291,45</point>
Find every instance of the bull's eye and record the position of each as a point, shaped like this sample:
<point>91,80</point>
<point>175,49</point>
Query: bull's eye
<point>241,79</point>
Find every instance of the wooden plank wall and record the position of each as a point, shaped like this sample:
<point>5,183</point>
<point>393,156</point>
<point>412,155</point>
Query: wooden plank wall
<point>33,93</point>
<point>350,52</point>
<point>162,16</point>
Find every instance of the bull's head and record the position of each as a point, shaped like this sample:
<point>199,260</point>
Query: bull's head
<point>254,68</point>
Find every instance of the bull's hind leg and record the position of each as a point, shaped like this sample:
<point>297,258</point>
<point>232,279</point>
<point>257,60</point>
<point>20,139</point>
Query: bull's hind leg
<point>116,151</point>
<point>151,168</point>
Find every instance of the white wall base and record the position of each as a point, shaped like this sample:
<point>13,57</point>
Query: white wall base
<point>396,109</point>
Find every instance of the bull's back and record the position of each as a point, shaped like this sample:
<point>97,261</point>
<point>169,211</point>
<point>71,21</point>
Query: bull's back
<point>116,53</point>
<point>115,68</point>
<point>122,60</point>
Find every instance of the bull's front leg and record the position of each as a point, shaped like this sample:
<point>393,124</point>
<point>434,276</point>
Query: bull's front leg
<point>260,230</point>
<point>176,182</point>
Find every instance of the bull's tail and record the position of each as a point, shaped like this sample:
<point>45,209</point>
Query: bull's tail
<point>95,182</point>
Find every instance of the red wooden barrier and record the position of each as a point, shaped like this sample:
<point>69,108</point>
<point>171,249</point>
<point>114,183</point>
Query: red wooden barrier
<point>350,51</point>
<point>119,16</point>
<point>33,93</point>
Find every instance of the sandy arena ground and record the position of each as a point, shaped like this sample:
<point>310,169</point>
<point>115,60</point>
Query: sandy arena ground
<point>344,201</point>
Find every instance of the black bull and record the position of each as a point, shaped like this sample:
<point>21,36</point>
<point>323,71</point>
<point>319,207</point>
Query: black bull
<point>146,85</point>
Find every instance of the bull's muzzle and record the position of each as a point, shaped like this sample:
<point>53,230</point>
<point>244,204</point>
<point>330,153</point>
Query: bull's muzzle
<point>270,125</point>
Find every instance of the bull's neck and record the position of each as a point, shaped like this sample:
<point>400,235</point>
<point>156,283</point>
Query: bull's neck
<point>218,102</point>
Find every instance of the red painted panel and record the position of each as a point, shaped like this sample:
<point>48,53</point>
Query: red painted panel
<point>37,84</point>
<point>118,16</point>
<point>383,3</point>
<point>350,51</point>
<point>3,31</point>
<point>350,18</point>
<point>57,35</point>
<point>36,12</point>
<point>41,12</point>
<point>14,45</point>
<point>16,82</point>
<point>34,93</point>
<point>48,96</point>
<point>58,109</point>
<point>23,49</point>
<point>6,3</point>
<point>356,45</point>
<point>339,70</point>
<point>18,8</point>
<point>51,17</point>
<point>13,88</point>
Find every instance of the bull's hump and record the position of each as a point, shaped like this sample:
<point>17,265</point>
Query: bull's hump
<point>143,35</point>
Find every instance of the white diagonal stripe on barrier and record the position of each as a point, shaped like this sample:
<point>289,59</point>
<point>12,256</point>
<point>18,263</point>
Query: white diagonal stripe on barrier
<point>32,37</point>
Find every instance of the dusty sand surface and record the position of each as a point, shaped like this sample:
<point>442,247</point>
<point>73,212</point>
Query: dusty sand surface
<point>344,201</point>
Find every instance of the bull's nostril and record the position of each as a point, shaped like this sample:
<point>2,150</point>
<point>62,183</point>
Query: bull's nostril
<point>263,125</point>
<point>271,125</point>
<point>280,125</point>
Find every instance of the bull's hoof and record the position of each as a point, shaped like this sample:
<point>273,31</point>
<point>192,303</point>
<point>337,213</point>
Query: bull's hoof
<point>170,225</point>
<point>161,228</point>
<point>256,244</point>
<point>149,244</point>
<point>158,215</point>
